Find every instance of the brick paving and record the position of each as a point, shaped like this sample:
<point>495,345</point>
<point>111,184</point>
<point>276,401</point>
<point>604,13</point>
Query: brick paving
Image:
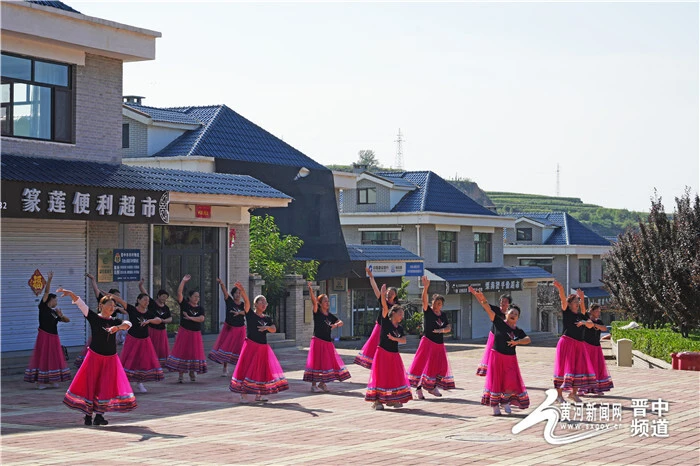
<point>202,423</point>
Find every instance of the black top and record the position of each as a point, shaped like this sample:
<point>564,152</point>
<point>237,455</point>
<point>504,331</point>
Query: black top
<point>432,322</point>
<point>499,315</point>
<point>322,325</point>
<point>503,334</point>
<point>387,328</point>
<point>102,341</point>
<point>570,328</point>
<point>160,312</point>
<point>196,311</point>
<point>231,307</point>
<point>388,304</point>
<point>48,319</point>
<point>253,321</point>
<point>136,317</point>
<point>592,335</point>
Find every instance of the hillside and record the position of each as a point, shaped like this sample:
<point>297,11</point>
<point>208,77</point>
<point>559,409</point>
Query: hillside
<point>604,221</point>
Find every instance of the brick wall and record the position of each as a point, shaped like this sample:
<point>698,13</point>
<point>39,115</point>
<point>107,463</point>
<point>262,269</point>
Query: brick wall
<point>138,139</point>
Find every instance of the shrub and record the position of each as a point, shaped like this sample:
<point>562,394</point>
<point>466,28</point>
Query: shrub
<point>659,342</point>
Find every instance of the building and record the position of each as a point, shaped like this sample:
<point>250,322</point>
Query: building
<point>68,203</point>
<point>458,240</point>
<point>563,246</point>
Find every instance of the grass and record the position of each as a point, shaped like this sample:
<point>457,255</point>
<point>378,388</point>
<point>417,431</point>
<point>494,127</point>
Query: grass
<point>658,343</point>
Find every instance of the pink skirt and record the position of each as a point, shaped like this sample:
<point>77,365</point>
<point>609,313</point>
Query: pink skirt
<point>484,364</point>
<point>188,353</point>
<point>504,384</point>
<point>603,381</point>
<point>324,363</point>
<point>159,338</point>
<point>140,361</point>
<point>366,355</point>
<point>572,367</point>
<point>228,345</point>
<point>79,359</point>
<point>258,371</point>
<point>430,367</point>
<point>100,386</point>
<point>387,381</point>
<point>47,365</point>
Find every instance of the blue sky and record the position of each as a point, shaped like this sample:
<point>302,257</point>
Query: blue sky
<point>496,92</point>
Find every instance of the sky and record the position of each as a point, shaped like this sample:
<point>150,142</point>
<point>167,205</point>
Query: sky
<point>500,93</point>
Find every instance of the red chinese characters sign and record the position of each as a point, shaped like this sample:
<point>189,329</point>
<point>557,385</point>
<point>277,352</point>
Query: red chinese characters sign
<point>37,282</point>
<point>202,211</point>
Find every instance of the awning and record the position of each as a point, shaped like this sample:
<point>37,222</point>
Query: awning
<point>496,279</point>
<point>384,260</point>
<point>596,295</point>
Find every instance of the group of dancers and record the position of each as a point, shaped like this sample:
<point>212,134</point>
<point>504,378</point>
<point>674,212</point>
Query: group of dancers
<point>103,380</point>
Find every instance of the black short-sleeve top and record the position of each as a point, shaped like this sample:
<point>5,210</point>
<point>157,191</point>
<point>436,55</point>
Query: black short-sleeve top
<point>570,328</point>
<point>388,304</point>
<point>503,334</point>
<point>195,311</point>
<point>48,318</point>
<point>102,341</point>
<point>322,325</point>
<point>231,307</point>
<point>389,328</point>
<point>432,321</point>
<point>253,321</point>
<point>162,312</point>
<point>136,317</point>
<point>499,315</point>
<point>592,335</point>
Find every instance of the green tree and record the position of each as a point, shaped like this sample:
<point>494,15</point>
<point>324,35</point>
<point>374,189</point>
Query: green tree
<point>272,256</point>
<point>653,272</point>
<point>367,157</point>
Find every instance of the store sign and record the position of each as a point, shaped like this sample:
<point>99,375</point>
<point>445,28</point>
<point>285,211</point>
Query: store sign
<point>118,265</point>
<point>37,282</point>
<point>64,202</point>
<point>395,269</point>
<point>202,211</point>
<point>462,286</point>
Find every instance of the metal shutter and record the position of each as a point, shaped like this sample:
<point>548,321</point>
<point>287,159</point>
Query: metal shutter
<point>27,245</point>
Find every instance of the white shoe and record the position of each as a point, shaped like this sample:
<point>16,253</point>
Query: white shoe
<point>244,398</point>
<point>41,387</point>
<point>377,406</point>
<point>574,398</point>
<point>141,387</point>
<point>496,411</point>
<point>314,389</point>
<point>259,398</point>
<point>54,385</point>
<point>506,408</point>
<point>560,399</point>
<point>435,392</point>
<point>419,394</point>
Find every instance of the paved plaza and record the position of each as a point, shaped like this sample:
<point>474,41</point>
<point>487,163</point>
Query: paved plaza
<point>203,423</point>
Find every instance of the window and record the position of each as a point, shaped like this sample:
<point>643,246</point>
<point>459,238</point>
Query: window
<point>546,264</point>
<point>482,247</point>
<point>523,234</point>
<point>367,196</point>
<point>125,136</point>
<point>37,99</point>
<point>447,246</point>
<point>584,270</point>
<point>381,237</point>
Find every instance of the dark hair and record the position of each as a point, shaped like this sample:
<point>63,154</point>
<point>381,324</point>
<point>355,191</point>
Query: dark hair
<point>321,296</point>
<point>571,297</point>
<point>162,292</point>
<point>141,295</point>
<point>515,307</point>
<point>191,292</point>
<point>106,298</point>
<point>439,297</point>
<point>506,296</point>
<point>592,307</point>
<point>233,290</point>
<point>394,308</point>
<point>50,296</point>
<point>113,291</point>
<point>393,288</point>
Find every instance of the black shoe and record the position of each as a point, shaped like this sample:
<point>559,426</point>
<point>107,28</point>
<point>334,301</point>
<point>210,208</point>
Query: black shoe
<point>100,421</point>
<point>88,420</point>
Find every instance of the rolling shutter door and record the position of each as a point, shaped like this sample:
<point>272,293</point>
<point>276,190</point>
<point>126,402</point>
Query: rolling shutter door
<point>47,245</point>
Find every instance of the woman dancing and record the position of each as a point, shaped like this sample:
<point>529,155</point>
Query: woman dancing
<point>158,332</point>
<point>366,355</point>
<point>258,371</point>
<point>323,363</point>
<point>228,345</point>
<point>430,368</point>
<point>591,338</point>
<point>47,364</point>
<point>100,384</point>
<point>504,302</point>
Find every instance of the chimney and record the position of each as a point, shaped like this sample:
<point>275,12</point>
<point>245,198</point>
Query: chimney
<point>133,99</point>
<point>359,167</point>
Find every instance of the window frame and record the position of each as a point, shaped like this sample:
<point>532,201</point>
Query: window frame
<point>525,237</point>
<point>488,248</point>
<point>126,136</point>
<point>66,94</point>
<point>586,269</point>
<point>366,192</point>
<point>538,262</point>
<point>452,245</point>
<point>387,238</point>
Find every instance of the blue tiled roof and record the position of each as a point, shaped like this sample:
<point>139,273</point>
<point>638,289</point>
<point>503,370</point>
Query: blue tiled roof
<point>57,171</point>
<point>227,135</point>
<point>595,292</point>
<point>164,115</point>
<point>434,194</point>
<point>568,231</point>
<point>491,273</point>
<point>59,5</point>
<point>377,252</point>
